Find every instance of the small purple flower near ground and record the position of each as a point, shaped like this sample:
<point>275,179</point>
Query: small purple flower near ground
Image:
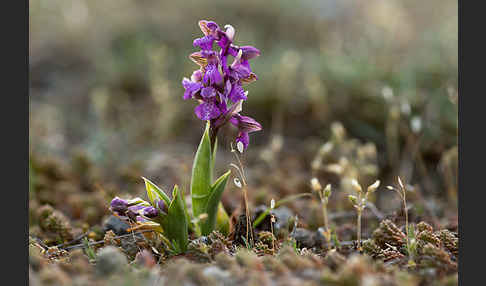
<point>217,85</point>
<point>119,206</point>
<point>151,212</point>
<point>137,211</point>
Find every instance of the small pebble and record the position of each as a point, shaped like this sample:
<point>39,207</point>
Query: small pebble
<point>110,260</point>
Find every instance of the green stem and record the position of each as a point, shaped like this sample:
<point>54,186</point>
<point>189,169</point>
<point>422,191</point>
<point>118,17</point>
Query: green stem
<point>359,230</point>
<point>324,213</point>
<point>406,222</point>
<point>261,217</point>
<point>213,132</point>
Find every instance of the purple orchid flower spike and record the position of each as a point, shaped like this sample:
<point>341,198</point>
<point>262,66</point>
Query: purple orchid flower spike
<point>217,85</point>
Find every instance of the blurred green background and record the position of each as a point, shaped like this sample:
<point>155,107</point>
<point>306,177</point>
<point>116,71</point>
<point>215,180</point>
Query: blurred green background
<point>105,81</point>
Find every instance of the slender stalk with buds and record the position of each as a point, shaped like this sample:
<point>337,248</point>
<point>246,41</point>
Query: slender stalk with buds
<point>241,172</point>
<point>272,221</point>
<point>324,195</point>
<point>402,192</point>
<point>359,203</point>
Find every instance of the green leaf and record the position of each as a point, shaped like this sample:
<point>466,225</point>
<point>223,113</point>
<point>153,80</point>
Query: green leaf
<point>175,224</point>
<point>213,202</point>
<point>138,201</point>
<point>222,220</point>
<point>201,175</point>
<point>154,192</point>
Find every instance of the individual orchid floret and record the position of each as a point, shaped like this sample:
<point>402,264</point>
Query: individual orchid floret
<point>245,123</point>
<point>237,93</point>
<point>205,43</point>
<point>191,88</point>
<point>150,212</point>
<point>207,110</point>
<point>249,52</point>
<point>240,68</point>
<point>212,75</point>
<point>209,28</point>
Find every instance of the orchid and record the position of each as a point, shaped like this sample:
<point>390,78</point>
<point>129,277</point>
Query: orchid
<point>164,215</point>
<point>218,85</point>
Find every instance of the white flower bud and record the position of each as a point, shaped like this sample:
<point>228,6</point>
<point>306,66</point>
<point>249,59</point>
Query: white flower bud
<point>374,186</point>
<point>237,182</point>
<point>230,31</point>
<point>316,186</point>
<point>240,146</point>
<point>356,186</point>
<point>327,191</point>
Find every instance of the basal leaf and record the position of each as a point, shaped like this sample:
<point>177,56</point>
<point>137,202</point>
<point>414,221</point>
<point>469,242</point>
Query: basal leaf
<point>201,174</point>
<point>154,192</point>
<point>213,202</point>
<point>175,223</point>
<point>222,220</point>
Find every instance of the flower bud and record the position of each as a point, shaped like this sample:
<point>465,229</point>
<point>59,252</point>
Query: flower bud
<point>230,32</point>
<point>150,212</point>
<point>119,205</point>
<point>132,215</point>
<point>240,147</point>
<point>326,148</point>
<point>338,131</point>
<point>249,52</point>
<point>161,206</point>
<point>353,199</point>
<point>327,191</point>
<point>356,186</point>
<point>237,181</point>
<point>374,186</point>
<point>247,124</point>
<point>316,186</point>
